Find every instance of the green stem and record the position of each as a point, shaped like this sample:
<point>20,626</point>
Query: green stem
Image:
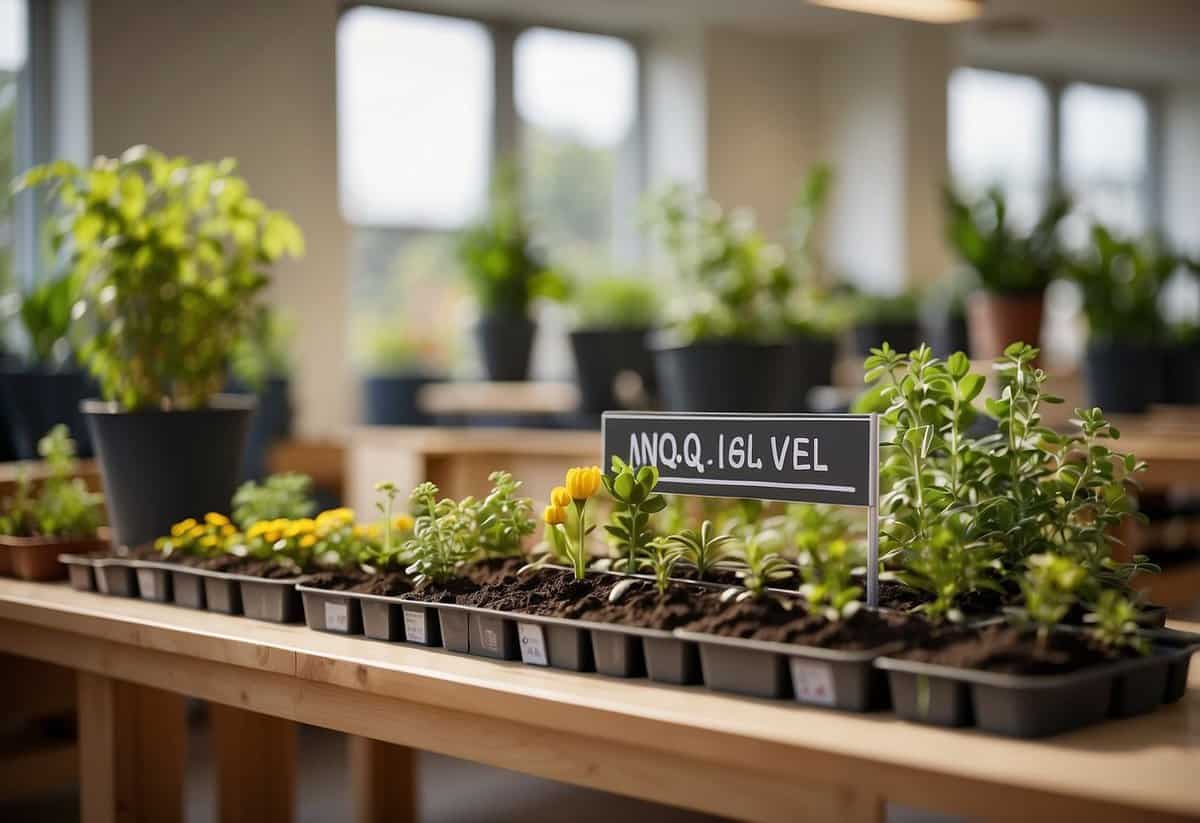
<point>580,553</point>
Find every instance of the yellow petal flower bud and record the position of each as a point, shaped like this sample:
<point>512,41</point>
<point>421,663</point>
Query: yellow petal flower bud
<point>560,497</point>
<point>216,519</point>
<point>553,515</point>
<point>402,523</point>
<point>583,481</point>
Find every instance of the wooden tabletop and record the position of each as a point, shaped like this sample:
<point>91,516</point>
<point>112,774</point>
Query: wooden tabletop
<point>753,759</point>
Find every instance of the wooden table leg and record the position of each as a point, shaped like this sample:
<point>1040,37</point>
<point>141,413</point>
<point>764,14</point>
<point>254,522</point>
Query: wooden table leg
<point>256,765</point>
<point>132,751</point>
<point>383,781</point>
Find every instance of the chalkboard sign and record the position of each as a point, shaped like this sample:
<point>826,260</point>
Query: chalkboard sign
<point>803,458</point>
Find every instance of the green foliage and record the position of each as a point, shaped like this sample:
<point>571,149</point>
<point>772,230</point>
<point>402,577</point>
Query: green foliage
<point>1004,260</point>
<point>172,258</point>
<point>1050,586</point>
<point>444,536</point>
<point>634,501</point>
<point>1114,622</point>
<point>827,570</point>
<point>705,549</point>
<point>265,351</point>
<point>46,316</point>
<point>62,506</point>
<point>803,218</point>
<point>880,308</point>
<point>287,496</point>
<point>762,563</point>
<point>503,519</point>
<point>615,303</point>
<point>1121,282</point>
<point>387,346</point>
<point>498,256</point>
<point>661,558</point>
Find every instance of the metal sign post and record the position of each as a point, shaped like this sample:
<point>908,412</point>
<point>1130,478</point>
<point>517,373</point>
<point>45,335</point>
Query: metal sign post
<point>805,458</point>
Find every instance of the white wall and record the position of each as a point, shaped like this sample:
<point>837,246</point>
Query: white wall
<point>254,81</point>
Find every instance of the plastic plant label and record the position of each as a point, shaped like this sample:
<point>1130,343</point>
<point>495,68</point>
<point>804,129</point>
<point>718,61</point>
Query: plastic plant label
<point>147,583</point>
<point>414,626</point>
<point>101,582</point>
<point>337,617</point>
<point>533,644</point>
<point>812,682</point>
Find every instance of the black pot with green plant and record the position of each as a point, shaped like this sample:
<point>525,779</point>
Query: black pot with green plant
<point>261,366</point>
<point>879,318</point>
<point>46,389</point>
<point>507,276</point>
<point>396,364</point>
<point>1011,267</point>
<point>172,259</point>
<point>1121,281</point>
<point>614,316</point>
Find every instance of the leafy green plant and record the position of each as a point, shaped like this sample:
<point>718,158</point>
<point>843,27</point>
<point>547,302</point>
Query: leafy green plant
<point>46,317</point>
<point>1050,587</point>
<point>503,519</point>
<point>497,254</point>
<point>703,548</point>
<point>172,258</point>
<point>443,536</point>
<point>827,570</point>
<point>661,558</point>
<point>287,496</point>
<point>634,501</point>
<point>1004,260</point>
<point>386,552</point>
<point>762,563</point>
<point>803,218</point>
<point>62,506</point>
<point>1114,622</point>
<point>265,351</point>
<point>615,303</point>
<point>383,346</point>
<point>1121,282</point>
<point>880,308</point>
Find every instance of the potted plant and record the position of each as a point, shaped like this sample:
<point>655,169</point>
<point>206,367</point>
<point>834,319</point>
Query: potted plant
<point>61,516</point>
<point>261,365</point>
<point>1012,268</point>
<point>507,276</point>
<point>172,258</point>
<point>1121,282</point>
<point>724,346</point>
<point>884,318</point>
<point>396,363</point>
<point>1181,366</point>
<point>613,318</point>
<point>48,388</point>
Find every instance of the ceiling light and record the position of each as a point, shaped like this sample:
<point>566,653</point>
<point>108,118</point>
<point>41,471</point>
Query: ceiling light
<point>925,11</point>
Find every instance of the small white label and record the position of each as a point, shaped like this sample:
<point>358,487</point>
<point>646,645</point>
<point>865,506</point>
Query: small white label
<point>101,581</point>
<point>812,682</point>
<point>488,638</point>
<point>533,644</point>
<point>337,617</point>
<point>414,626</point>
<point>147,580</point>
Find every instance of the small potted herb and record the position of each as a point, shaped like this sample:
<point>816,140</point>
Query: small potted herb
<point>613,318</point>
<point>172,258</point>
<point>1012,268</point>
<point>507,275</point>
<point>1121,282</point>
<point>191,548</point>
<point>47,389</point>
<point>395,362</point>
<point>61,516</point>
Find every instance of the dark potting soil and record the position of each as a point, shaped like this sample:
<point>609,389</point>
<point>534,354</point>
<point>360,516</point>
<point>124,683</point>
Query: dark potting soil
<point>642,605</point>
<point>473,577</point>
<point>344,580</point>
<point>1009,651</point>
<point>388,584</point>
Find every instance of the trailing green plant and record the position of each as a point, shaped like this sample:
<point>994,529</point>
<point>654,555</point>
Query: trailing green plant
<point>634,501</point>
<point>62,506</point>
<point>497,253</point>
<point>287,496</point>
<point>1113,617</point>
<point>172,258</point>
<point>762,563</point>
<point>1121,282</point>
<point>615,302</point>
<point>503,519</point>
<point>827,570</point>
<point>265,351</point>
<point>46,317</point>
<point>1050,587</point>
<point>443,537</point>
<point>1003,259</point>
<point>703,549</point>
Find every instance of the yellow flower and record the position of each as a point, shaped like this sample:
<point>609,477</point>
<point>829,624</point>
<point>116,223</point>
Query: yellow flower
<point>272,536</point>
<point>182,527</point>
<point>195,532</point>
<point>228,530</point>
<point>560,497</point>
<point>402,523</point>
<point>305,525</point>
<point>208,541</point>
<point>257,529</point>
<point>553,515</point>
<point>215,519</point>
<point>582,482</point>
<point>308,541</point>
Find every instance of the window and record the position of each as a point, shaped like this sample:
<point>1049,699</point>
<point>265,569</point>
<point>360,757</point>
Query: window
<point>13,52</point>
<point>419,116</point>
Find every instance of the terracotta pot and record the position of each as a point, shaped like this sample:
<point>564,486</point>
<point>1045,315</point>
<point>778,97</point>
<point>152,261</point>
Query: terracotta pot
<point>995,320</point>
<point>36,558</point>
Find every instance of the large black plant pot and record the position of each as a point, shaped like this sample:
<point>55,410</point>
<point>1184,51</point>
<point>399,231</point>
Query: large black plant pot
<point>35,400</point>
<point>505,343</point>
<point>391,399</point>
<point>1181,372</point>
<point>271,422</point>
<point>808,363</point>
<point>722,376</point>
<point>1123,378</point>
<point>602,356</point>
<point>901,335</point>
<point>160,467</point>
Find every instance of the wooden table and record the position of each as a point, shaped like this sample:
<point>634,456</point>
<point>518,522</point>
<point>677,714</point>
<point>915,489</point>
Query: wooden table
<point>754,760</point>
